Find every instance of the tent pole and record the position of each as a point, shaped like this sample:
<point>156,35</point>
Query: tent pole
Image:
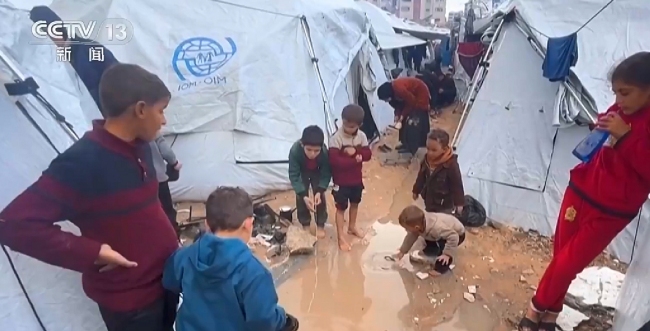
<point>22,77</point>
<point>474,85</point>
<point>566,84</point>
<point>314,60</point>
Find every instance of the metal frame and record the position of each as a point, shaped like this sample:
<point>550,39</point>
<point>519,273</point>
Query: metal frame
<point>21,77</point>
<point>478,75</point>
<point>327,108</point>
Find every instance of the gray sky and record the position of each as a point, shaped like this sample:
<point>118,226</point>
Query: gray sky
<point>455,5</point>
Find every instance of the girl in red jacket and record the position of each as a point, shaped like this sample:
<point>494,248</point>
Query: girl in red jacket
<point>604,194</point>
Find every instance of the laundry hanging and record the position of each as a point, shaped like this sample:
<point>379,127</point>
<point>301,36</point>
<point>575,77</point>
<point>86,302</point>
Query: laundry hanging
<point>561,55</point>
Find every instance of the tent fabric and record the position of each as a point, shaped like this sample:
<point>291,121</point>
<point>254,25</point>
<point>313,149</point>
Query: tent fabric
<point>381,23</point>
<point>56,294</point>
<point>561,55</point>
<point>234,119</point>
<point>469,56</point>
<point>513,160</point>
<point>611,36</point>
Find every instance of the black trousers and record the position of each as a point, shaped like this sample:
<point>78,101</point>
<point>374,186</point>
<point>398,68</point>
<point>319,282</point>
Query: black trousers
<point>158,316</point>
<point>444,99</point>
<point>435,249</point>
<point>165,197</point>
<point>304,215</point>
<point>414,131</point>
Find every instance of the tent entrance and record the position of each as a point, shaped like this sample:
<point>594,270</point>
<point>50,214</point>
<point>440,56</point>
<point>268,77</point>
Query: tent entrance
<point>369,126</point>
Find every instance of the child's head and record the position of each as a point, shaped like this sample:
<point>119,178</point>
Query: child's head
<point>352,116</point>
<point>385,92</point>
<point>134,97</point>
<point>229,213</point>
<point>412,219</point>
<point>312,141</point>
<point>437,143</point>
<point>631,82</point>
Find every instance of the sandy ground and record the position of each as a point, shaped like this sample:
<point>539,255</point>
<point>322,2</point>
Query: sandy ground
<point>360,290</point>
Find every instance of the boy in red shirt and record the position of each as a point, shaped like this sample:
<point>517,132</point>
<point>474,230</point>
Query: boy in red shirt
<point>604,194</point>
<point>348,149</point>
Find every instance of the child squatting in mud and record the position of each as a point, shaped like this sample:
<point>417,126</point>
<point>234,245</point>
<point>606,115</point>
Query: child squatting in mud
<point>442,234</point>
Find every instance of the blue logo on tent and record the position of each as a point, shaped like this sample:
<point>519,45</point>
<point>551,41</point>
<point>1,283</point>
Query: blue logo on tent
<point>201,57</point>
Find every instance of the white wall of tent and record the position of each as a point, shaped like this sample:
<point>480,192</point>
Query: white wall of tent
<point>230,137</point>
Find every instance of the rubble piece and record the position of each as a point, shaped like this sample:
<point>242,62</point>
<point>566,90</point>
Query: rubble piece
<point>488,258</point>
<point>299,241</point>
<point>452,266</point>
<point>596,286</point>
<point>471,289</point>
<point>522,279</point>
<point>469,297</point>
<point>570,318</point>
<point>528,272</point>
<point>422,275</point>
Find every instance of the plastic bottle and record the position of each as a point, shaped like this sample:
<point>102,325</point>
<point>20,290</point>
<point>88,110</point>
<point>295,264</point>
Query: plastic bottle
<point>588,147</point>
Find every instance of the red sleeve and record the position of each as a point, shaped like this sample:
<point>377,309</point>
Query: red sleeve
<point>635,148</point>
<point>402,92</point>
<point>339,160</point>
<point>27,223</point>
<point>365,152</point>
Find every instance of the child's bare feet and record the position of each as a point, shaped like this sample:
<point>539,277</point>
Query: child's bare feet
<point>354,232</point>
<point>343,245</point>
<point>320,233</point>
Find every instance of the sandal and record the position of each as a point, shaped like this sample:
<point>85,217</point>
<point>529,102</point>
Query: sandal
<point>526,324</point>
<point>549,326</point>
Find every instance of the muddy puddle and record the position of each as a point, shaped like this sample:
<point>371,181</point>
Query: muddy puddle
<point>362,290</point>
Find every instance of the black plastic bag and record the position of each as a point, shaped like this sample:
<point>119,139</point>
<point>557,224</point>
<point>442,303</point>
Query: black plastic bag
<point>473,214</point>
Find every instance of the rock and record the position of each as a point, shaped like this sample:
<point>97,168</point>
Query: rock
<point>469,297</point>
<point>471,289</point>
<point>522,279</point>
<point>494,270</point>
<point>496,225</point>
<point>300,241</point>
<point>422,275</point>
<point>528,272</point>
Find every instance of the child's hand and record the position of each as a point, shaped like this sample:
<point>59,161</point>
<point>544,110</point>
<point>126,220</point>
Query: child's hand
<point>415,196</point>
<point>350,151</point>
<point>317,200</point>
<point>359,158</point>
<point>310,203</point>
<point>614,124</point>
<point>443,259</point>
<point>398,256</point>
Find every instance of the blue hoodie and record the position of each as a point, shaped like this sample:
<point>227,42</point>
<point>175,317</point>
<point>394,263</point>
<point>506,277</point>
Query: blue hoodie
<point>224,288</point>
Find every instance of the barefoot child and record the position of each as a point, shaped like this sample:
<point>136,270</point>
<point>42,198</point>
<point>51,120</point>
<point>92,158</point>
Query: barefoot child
<point>348,149</point>
<point>439,181</point>
<point>309,167</point>
<point>604,194</point>
<point>224,286</point>
<point>442,233</point>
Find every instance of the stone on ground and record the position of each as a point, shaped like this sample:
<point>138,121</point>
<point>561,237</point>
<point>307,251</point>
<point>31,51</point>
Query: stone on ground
<point>300,241</point>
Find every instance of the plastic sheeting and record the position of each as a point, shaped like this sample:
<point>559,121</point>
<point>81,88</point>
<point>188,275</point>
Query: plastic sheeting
<point>381,22</point>
<point>513,160</point>
<point>614,34</point>
<point>56,294</point>
<point>237,114</point>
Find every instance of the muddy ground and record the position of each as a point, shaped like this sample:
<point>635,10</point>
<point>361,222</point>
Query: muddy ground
<point>360,290</point>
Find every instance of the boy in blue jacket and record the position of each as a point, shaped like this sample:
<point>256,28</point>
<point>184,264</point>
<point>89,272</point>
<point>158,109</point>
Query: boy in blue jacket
<point>224,286</point>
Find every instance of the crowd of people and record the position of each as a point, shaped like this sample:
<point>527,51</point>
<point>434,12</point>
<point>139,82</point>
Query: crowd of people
<point>113,185</point>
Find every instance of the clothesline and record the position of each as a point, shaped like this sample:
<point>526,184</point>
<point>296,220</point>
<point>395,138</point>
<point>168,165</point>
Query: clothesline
<point>582,26</point>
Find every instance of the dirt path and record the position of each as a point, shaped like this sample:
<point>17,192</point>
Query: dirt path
<point>360,290</point>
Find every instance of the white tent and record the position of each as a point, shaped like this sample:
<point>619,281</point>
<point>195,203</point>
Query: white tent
<point>28,147</point>
<point>269,69</point>
<point>382,24</point>
<point>515,147</point>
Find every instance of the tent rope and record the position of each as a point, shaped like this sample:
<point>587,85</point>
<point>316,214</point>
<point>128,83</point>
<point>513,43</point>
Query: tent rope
<point>636,233</point>
<point>257,9</point>
<point>582,26</point>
